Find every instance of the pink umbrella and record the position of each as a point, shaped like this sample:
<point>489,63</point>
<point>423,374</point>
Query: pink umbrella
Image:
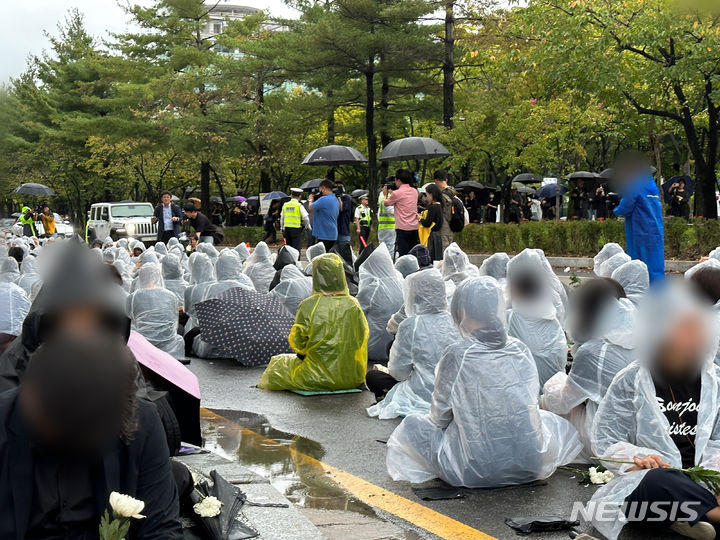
<point>239,198</point>
<point>163,364</point>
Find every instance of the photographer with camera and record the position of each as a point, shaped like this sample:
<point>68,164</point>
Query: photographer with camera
<point>325,210</point>
<point>345,215</point>
<point>48,221</point>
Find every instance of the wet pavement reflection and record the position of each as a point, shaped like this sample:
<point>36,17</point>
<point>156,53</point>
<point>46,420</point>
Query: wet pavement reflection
<point>291,463</point>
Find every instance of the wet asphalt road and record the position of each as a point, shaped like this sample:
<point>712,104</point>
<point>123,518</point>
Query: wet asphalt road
<point>349,441</point>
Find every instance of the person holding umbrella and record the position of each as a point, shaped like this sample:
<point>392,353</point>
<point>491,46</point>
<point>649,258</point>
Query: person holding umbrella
<point>48,221</point>
<point>363,220</point>
<point>293,218</point>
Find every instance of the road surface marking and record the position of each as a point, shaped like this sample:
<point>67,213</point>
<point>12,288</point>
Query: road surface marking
<point>372,495</point>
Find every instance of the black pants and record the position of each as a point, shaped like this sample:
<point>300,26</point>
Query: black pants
<point>329,244</point>
<point>405,241</point>
<point>293,237</point>
<point>379,382</point>
<point>668,489</point>
<point>166,236</point>
<point>365,234</point>
<point>270,232</point>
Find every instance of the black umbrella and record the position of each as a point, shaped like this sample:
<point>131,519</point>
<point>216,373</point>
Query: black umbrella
<point>253,201</point>
<point>311,184</point>
<point>411,148</point>
<point>517,186</point>
<point>33,188</point>
<point>550,191</point>
<point>527,178</point>
<point>689,184</point>
<point>583,175</point>
<point>469,184</point>
<point>275,195</point>
<point>607,174</point>
<point>334,155</point>
<point>215,199</point>
<point>246,325</point>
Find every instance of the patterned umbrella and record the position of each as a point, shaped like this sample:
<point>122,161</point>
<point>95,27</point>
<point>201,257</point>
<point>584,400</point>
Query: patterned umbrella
<point>246,325</point>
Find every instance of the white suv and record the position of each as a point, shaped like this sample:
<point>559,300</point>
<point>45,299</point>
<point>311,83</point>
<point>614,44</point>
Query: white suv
<point>126,219</point>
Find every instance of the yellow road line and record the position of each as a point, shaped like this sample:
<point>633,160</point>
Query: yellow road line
<point>412,512</point>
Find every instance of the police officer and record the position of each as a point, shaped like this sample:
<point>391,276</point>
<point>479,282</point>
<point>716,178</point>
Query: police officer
<point>293,218</point>
<point>27,220</point>
<point>363,220</point>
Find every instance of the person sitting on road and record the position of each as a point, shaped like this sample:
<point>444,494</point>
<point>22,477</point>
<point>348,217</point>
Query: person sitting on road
<point>613,263</point>
<point>312,253</point>
<point>173,278</point>
<point>603,321</point>
<point>634,278</point>
<point>259,268</point>
<point>330,337</point>
<point>287,256</point>
<point>407,265</point>
<point>484,428</point>
<point>661,411</point>
<point>293,288</point>
<point>9,270</point>
<point>154,311</point>
<point>202,278</point>
<point>607,251</point>
<point>532,317</point>
<point>16,304</point>
<point>496,266</point>
<point>380,294</point>
<point>419,345</point>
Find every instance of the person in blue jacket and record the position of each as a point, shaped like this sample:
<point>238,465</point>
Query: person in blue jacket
<point>640,205</point>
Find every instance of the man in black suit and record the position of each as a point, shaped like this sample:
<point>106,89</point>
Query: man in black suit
<point>74,432</point>
<point>168,217</point>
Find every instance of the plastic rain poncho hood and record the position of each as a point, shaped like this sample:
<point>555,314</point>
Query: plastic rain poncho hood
<point>9,271</point>
<point>173,277</point>
<point>635,280</point>
<point>456,265</point>
<point>161,249</point>
<point>406,265</point>
<point>16,305</point>
<point>294,287</point>
<point>229,274</point>
<point>154,311</point>
<point>330,333</point>
<point>380,293</point>
<point>484,428</point>
<point>495,266</point>
<point>419,345</point>
<point>243,252</point>
<point>608,350</point>
<point>311,253</point>
<point>534,322</point>
<point>629,421</point>
<point>287,256</point>
<point>202,277</point>
<point>208,249</point>
<point>607,251</point>
<point>259,268</point>
<point>613,263</point>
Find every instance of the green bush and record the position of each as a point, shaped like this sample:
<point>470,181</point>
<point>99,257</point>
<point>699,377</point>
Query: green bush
<point>585,238</point>
<point>237,235</point>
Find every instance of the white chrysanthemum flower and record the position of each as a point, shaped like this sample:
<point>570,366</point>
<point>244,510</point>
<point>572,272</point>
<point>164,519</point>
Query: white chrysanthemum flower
<point>126,506</point>
<point>208,507</point>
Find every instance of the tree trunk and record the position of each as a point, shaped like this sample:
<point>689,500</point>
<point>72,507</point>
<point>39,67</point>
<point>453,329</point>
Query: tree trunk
<point>370,131</point>
<point>205,186</point>
<point>449,65</point>
<point>384,135</point>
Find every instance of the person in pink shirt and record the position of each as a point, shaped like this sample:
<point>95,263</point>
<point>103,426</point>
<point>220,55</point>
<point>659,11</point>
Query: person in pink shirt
<point>404,199</point>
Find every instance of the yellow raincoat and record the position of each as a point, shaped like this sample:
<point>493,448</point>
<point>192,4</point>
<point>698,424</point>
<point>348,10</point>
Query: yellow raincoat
<point>424,232</point>
<point>330,337</point>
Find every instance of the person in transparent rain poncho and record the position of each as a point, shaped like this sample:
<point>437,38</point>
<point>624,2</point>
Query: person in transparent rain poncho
<point>209,250</point>
<point>173,278</point>
<point>161,249</point>
<point>613,263</point>
<point>495,266</point>
<point>229,275</point>
<point>456,265</point>
<point>16,305</point>
<point>406,265</point>
<point>604,322</point>
<point>311,253</point>
<point>634,278</point>
<point>243,252</point>
<point>259,268</point>
<point>294,287</point>
<point>607,251</point>
<point>202,277</point>
<point>484,428</point>
<point>9,271</point>
<point>419,345</point>
<point>532,317</point>
<point>29,274</point>
<point>154,311</point>
<point>380,294</point>
<point>662,410</point>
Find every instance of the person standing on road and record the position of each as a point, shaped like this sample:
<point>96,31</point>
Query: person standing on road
<point>48,221</point>
<point>404,199</point>
<point>363,221</point>
<point>640,205</point>
<point>293,218</point>
<point>168,217</point>
<point>205,231</point>
<point>386,218</point>
<point>325,212</point>
<point>449,196</point>
<point>345,215</point>
<point>435,221</point>
<point>27,220</point>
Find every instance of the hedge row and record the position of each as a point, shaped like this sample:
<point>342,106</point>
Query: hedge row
<point>683,240</point>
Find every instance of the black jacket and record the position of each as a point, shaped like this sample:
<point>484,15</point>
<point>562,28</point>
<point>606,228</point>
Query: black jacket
<point>139,468</point>
<point>175,211</point>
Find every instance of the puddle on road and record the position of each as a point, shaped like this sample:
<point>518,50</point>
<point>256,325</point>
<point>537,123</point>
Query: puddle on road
<point>290,462</point>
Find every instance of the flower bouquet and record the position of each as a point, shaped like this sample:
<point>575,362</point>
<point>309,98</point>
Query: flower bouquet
<point>215,508</point>
<point>700,475</point>
<point>124,508</point>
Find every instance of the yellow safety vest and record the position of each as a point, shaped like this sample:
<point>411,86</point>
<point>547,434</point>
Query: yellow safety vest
<point>385,221</point>
<point>27,221</point>
<point>292,217</point>
<point>365,217</point>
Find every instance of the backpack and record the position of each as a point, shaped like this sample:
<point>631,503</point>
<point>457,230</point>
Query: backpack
<point>457,220</point>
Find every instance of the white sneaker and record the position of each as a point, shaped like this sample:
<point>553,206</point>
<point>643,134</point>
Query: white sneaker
<point>702,530</point>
